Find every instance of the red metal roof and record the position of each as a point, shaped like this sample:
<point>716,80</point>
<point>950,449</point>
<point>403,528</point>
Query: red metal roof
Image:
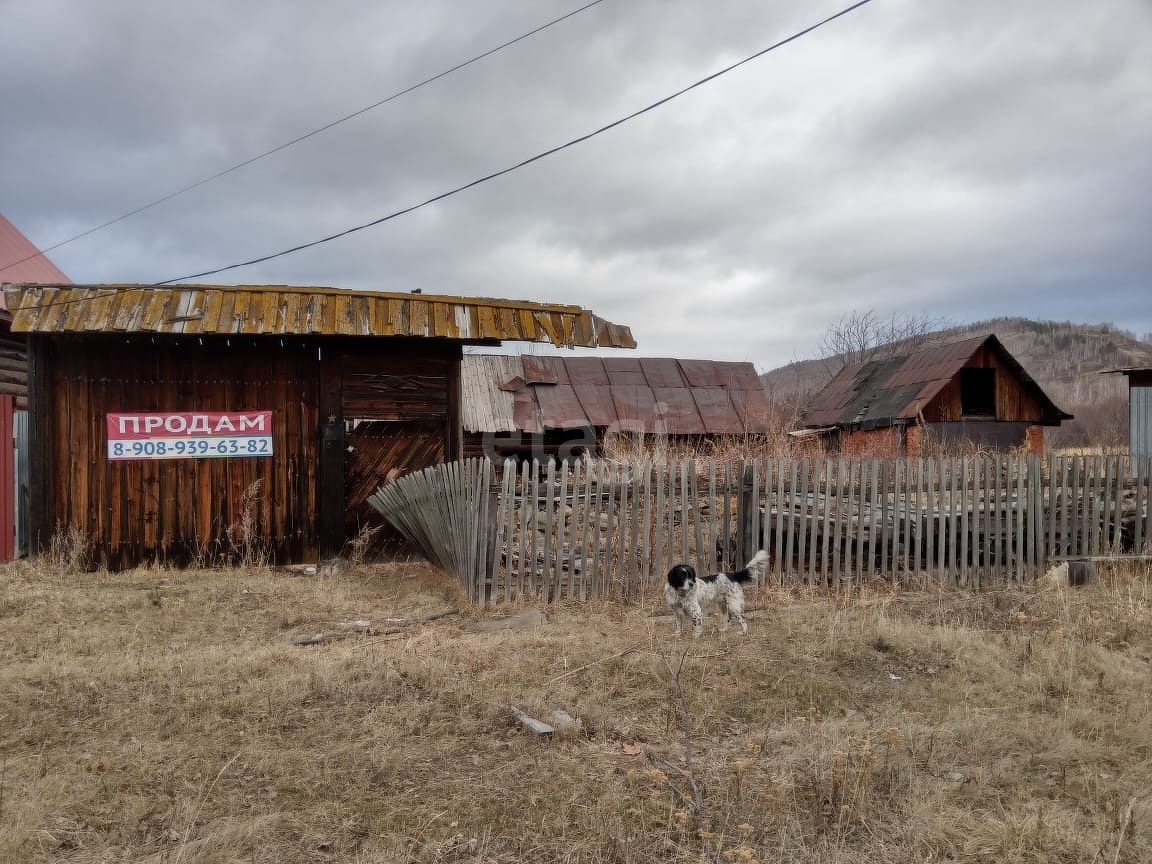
<point>21,261</point>
<point>680,397</point>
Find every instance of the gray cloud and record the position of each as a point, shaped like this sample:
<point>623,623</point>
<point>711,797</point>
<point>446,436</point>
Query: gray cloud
<point>964,160</point>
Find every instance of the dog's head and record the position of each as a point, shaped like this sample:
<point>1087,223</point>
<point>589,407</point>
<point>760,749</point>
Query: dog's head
<point>682,578</point>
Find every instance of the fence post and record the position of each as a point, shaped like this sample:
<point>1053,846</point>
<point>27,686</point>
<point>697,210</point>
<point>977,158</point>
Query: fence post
<point>7,479</point>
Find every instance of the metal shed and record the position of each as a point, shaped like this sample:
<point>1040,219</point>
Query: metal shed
<point>1139,411</point>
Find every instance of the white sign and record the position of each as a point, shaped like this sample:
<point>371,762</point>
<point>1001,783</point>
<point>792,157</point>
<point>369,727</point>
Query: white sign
<point>189,435</point>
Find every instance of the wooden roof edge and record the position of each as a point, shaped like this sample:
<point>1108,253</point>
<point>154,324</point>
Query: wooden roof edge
<point>593,332</point>
<point>495,302</point>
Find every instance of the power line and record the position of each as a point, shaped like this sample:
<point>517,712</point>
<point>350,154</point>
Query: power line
<point>573,142</point>
<point>305,136</point>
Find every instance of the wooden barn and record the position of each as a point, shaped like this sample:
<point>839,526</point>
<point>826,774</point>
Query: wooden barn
<point>557,407</point>
<point>179,423</point>
<point>971,393</point>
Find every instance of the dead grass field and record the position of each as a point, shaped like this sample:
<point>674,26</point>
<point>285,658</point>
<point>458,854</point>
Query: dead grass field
<point>164,716</point>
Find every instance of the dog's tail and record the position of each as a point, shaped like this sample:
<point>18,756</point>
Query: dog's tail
<point>755,568</point>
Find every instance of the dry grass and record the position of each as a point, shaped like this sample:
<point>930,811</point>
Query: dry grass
<point>167,716</point>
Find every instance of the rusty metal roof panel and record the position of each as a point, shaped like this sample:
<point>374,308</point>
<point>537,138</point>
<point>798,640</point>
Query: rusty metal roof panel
<point>582,395</point>
<point>717,412</point>
<point>560,407</point>
<point>937,363</point>
<point>596,400</point>
<point>662,372</point>
<point>624,371</point>
<point>635,406</point>
<point>720,373</point>
<point>289,310</point>
<point>586,371</point>
<point>539,370</point>
<point>676,410</point>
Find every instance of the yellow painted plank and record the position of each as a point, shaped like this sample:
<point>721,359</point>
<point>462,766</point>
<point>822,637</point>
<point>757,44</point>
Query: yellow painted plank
<point>70,315</point>
<point>417,318</point>
<point>529,331</point>
<point>213,300</point>
<point>240,312</point>
<point>379,315</point>
<point>97,317</point>
<point>486,326</point>
<point>125,305</point>
<point>292,306</point>
<point>254,323</point>
<point>326,313</point>
<point>444,320</point>
<point>227,304</point>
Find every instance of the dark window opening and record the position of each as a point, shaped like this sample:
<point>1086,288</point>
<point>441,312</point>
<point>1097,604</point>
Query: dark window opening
<point>978,392</point>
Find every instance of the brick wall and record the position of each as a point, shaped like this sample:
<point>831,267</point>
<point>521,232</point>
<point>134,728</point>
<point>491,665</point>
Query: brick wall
<point>871,443</point>
<point>1035,440</point>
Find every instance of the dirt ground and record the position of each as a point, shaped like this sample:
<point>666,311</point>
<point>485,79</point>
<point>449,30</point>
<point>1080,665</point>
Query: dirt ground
<point>195,716</point>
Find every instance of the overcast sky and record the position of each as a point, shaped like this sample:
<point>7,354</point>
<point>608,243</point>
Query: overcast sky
<point>957,159</point>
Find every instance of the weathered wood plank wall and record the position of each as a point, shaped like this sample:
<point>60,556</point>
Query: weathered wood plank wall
<point>176,509</point>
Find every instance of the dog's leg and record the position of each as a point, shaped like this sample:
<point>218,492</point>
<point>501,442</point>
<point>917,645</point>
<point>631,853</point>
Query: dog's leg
<point>697,619</point>
<point>679,619</point>
<point>736,609</point>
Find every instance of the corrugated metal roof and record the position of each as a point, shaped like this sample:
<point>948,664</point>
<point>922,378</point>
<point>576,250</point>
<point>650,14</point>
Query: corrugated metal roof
<point>21,261</point>
<point>270,310</point>
<point>650,394</point>
<point>884,392</point>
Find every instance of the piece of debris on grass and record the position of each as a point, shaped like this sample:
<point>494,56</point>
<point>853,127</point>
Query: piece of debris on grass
<point>533,725</point>
<point>565,723</point>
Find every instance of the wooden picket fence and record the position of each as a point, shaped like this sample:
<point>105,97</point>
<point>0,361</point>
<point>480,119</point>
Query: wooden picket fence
<point>602,529</point>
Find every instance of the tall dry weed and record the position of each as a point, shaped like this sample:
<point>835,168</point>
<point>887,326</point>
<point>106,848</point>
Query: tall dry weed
<point>68,549</point>
<point>247,547</point>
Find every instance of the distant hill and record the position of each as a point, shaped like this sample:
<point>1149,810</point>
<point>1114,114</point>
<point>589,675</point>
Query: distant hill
<point>1066,359</point>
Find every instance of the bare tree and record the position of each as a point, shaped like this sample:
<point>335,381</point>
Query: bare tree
<point>861,336</point>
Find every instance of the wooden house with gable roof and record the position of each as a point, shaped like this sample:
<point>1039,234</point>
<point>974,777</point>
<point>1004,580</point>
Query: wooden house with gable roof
<point>141,397</point>
<point>970,392</point>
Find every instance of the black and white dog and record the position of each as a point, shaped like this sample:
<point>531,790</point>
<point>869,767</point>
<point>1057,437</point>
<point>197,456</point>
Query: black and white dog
<point>688,596</point>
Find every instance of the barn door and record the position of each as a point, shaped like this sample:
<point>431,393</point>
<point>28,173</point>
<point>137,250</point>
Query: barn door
<point>395,416</point>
